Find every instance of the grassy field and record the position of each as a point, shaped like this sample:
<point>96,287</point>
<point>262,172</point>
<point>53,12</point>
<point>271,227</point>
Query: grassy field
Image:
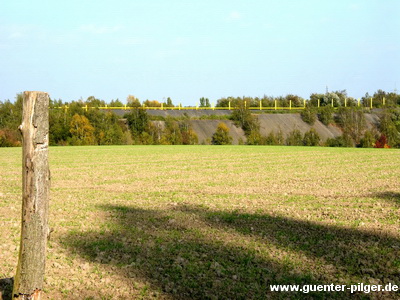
<point>209,222</point>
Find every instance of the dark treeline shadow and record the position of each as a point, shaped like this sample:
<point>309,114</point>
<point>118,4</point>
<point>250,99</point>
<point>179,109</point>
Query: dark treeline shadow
<point>393,197</point>
<point>180,260</point>
<point>6,287</point>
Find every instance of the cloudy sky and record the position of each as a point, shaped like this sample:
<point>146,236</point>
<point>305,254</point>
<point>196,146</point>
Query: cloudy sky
<point>185,50</point>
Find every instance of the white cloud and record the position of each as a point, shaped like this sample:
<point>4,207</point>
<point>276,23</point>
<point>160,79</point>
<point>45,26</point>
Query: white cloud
<point>235,16</point>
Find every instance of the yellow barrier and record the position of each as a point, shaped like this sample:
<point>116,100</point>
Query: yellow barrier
<point>86,108</point>
<point>229,107</point>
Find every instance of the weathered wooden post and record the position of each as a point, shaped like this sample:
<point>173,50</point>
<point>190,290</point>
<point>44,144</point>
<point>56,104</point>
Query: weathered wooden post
<point>28,281</point>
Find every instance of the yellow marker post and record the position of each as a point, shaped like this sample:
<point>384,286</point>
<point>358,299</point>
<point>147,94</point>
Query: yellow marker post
<point>332,102</point>
<point>260,105</point>
<point>275,104</point>
<point>290,104</point>
<point>371,102</point>
<point>345,102</point>
<point>383,101</point>
<point>358,102</point>
<point>162,106</point>
<point>86,108</point>
<point>304,103</point>
<point>229,105</point>
<point>319,102</point>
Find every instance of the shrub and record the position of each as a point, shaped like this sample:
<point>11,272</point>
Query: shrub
<point>389,126</point>
<point>244,119</point>
<point>294,138</point>
<point>189,137</point>
<point>271,139</point>
<point>325,115</point>
<point>382,142</point>
<point>172,134</point>
<point>352,121</point>
<point>368,141</point>
<point>221,135</point>
<point>340,141</point>
<point>255,138</point>
<point>9,138</point>
<point>311,138</point>
<point>308,115</point>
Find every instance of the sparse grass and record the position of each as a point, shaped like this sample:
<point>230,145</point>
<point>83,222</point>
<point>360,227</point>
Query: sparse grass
<point>209,222</point>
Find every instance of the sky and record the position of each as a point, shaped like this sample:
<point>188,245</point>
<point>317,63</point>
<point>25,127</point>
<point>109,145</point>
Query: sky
<point>185,50</point>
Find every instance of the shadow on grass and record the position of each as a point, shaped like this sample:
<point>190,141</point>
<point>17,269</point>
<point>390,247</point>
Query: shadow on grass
<point>197,253</point>
<point>6,287</point>
<point>389,196</point>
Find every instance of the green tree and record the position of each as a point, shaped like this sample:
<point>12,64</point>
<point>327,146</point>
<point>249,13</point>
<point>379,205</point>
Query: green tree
<point>368,140</point>
<point>189,136</point>
<point>204,102</point>
<point>132,101</point>
<point>341,141</point>
<point>311,138</point>
<point>244,119</point>
<point>308,115</point>
<point>172,133</point>
<point>138,121</point>
<point>116,103</point>
<point>297,101</point>
<point>294,138</point>
<point>325,115</point>
<point>92,101</point>
<point>353,123</point>
<point>221,136</point>
<point>387,127</point>
<point>169,103</point>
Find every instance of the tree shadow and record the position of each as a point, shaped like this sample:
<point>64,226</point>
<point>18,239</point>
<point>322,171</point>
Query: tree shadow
<point>389,196</point>
<point>6,287</point>
<point>355,252</point>
<point>180,252</point>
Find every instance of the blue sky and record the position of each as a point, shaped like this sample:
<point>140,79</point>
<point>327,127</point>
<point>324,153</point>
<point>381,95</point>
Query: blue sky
<point>189,49</point>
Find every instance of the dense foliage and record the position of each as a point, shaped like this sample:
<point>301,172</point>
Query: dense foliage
<point>221,135</point>
<point>83,123</point>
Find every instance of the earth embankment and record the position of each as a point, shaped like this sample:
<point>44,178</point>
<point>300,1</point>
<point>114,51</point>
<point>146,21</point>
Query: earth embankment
<point>205,122</point>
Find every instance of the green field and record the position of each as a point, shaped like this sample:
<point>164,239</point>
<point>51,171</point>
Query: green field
<point>211,222</point>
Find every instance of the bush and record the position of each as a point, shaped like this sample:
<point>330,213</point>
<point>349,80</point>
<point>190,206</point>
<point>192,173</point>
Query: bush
<point>9,138</point>
<point>352,121</point>
<point>368,141</point>
<point>311,138</point>
<point>340,141</point>
<point>255,138</point>
<point>221,135</point>
<point>294,138</point>
<point>308,115</point>
<point>325,115</point>
<point>382,142</point>
<point>389,126</point>
<point>271,139</point>
<point>244,119</point>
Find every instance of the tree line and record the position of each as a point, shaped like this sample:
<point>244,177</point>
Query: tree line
<point>79,126</point>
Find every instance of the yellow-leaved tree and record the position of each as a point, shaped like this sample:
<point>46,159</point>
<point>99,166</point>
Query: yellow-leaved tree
<point>82,131</point>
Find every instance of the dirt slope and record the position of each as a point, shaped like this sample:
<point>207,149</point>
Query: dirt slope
<point>268,123</point>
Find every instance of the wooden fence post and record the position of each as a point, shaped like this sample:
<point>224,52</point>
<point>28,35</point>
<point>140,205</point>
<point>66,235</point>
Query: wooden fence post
<point>28,281</point>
